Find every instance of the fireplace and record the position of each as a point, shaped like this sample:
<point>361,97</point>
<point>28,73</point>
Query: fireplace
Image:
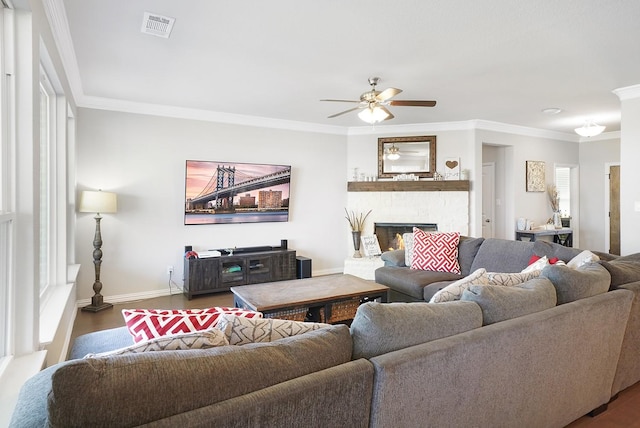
<point>390,234</point>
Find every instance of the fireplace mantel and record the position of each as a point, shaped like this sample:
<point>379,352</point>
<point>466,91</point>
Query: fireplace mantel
<point>409,186</point>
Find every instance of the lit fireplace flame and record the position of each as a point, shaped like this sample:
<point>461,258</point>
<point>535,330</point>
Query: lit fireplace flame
<point>399,242</point>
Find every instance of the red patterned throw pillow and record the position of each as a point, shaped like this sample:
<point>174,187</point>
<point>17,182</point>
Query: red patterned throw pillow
<point>437,251</point>
<point>146,324</point>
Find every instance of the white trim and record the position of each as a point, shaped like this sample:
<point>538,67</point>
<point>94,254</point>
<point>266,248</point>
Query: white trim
<point>143,295</point>
<point>52,312</point>
<point>204,115</point>
<point>18,371</point>
<point>607,203</point>
<point>57,17</point>
<point>627,92</point>
<point>613,135</point>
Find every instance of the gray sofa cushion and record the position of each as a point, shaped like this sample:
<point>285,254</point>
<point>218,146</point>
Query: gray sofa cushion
<point>499,303</point>
<point>623,270</point>
<point>379,328</point>
<point>551,250</point>
<point>411,281</point>
<point>574,284</point>
<point>467,250</point>
<point>100,341</point>
<point>151,386</point>
<point>393,258</point>
<point>501,255</point>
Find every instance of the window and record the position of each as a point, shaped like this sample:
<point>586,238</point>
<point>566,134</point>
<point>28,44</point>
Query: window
<point>47,138</point>
<point>7,214</point>
<point>563,185</point>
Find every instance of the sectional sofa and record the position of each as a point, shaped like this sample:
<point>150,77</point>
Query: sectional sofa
<point>484,360</point>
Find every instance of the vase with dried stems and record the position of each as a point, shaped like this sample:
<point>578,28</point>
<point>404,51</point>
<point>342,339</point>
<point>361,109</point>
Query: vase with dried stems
<point>356,222</point>
<point>554,200</point>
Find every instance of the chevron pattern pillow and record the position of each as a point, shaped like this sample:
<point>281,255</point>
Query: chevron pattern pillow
<point>435,251</point>
<point>242,330</point>
<point>147,324</point>
<point>193,340</point>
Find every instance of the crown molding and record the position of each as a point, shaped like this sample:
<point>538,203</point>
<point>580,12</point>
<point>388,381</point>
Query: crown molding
<point>205,115</point>
<point>628,92</point>
<point>613,135</point>
<point>468,125</point>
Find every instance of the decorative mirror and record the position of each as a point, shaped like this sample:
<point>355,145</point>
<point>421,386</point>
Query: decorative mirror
<point>407,155</point>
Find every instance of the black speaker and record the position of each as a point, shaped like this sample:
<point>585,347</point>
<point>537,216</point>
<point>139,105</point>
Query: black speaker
<point>188,248</point>
<point>284,244</point>
<point>303,267</point>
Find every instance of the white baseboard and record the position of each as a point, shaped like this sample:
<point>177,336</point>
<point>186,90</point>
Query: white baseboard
<point>132,297</point>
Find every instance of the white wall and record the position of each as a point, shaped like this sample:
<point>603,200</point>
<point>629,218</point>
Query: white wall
<point>594,156</point>
<point>630,173</point>
<point>142,159</point>
<point>519,149</point>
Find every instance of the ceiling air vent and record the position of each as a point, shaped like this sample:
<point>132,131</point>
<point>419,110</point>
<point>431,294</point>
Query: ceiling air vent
<point>157,25</point>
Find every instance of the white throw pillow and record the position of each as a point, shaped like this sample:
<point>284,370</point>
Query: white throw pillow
<point>537,265</point>
<point>240,330</point>
<point>454,290</point>
<point>583,258</point>
<point>193,340</point>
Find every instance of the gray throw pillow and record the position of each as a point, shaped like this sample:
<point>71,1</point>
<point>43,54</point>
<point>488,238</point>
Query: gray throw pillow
<point>379,328</point>
<point>499,303</point>
<point>574,284</point>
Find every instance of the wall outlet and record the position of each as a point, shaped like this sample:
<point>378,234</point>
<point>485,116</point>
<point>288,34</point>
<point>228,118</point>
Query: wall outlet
<point>169,270</point>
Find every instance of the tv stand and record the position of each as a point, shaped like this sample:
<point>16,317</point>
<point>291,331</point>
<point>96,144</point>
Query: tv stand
<point>216,274</point>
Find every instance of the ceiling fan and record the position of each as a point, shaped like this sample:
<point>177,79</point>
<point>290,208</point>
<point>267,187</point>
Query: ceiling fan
<point>373,103</point>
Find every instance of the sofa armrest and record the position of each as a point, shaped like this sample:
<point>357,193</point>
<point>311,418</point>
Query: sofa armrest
<point>393,258</point>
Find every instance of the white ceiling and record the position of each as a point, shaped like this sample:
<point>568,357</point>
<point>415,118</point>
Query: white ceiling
<point>493,60</point>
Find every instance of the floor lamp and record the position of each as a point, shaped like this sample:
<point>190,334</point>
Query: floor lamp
<point>97,202</point>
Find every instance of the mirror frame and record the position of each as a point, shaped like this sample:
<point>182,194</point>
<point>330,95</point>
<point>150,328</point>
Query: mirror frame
<point>431,139</point>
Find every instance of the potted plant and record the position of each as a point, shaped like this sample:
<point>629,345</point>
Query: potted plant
<point>356,222</point>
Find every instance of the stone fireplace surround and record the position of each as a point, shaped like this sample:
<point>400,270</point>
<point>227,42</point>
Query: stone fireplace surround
<point>448,209</point>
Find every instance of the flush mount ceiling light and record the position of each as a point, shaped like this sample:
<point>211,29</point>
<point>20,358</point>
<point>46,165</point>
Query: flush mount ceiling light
<point>552,110</point>
<point>373,114</point>
<point>589,129</point>
<point>157,25</point>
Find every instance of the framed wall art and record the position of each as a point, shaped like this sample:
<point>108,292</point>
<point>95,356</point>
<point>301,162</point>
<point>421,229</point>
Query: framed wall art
<point>535,176</point>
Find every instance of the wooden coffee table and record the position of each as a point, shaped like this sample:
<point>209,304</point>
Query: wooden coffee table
<point>331,298</point>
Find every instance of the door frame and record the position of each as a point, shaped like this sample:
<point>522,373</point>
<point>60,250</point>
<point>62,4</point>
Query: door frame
<point>492,204</point>
<point>607,202</point>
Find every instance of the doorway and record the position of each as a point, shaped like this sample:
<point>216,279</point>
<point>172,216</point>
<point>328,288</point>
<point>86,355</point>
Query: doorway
<point>614,209</point>
<point>488,199</point>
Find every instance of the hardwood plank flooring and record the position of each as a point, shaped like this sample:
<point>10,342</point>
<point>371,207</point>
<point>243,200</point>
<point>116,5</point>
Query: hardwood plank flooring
<point>87,322</point>
<point>623,412</point>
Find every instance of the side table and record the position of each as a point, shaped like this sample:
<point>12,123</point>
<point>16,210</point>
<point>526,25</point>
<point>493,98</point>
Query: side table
<point>364,267</point>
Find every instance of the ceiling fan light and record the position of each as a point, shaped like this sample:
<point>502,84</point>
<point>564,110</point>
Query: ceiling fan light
<point>373,115</point>
<point>393,156</point>
<point>590,129</point>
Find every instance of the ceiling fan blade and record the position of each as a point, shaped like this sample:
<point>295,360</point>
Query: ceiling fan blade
<point>343,112</point>
<point>383,108</point>
<point>408,103</point>
<point>343,101</point>
<point>388,93</point>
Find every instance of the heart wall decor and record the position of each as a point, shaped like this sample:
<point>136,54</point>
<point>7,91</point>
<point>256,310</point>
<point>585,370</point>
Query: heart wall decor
<point>452,169</point>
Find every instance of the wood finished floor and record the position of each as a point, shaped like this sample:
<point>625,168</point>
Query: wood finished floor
<point>623,412</point>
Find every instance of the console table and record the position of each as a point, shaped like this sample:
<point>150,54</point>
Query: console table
<point>562,236</point>
<point>215,274</point>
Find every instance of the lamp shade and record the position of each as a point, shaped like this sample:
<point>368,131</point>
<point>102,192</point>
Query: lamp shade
<point>590,129</point>
<point>98,202</point>
<point>373,115</point>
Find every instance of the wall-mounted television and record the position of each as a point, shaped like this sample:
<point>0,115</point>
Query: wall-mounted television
<point>231,192</point>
